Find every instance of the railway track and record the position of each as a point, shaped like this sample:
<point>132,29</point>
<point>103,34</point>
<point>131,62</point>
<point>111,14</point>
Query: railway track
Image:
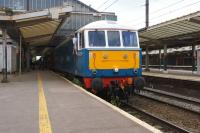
<point>182,102</point>
<point>159,122</point>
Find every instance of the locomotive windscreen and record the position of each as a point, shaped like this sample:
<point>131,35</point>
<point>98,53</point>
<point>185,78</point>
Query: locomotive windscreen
<point>113,38</point>
<point>129,39</point>
<point>97,38</point>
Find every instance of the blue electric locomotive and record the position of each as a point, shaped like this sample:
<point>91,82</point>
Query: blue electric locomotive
<point>104,55</point>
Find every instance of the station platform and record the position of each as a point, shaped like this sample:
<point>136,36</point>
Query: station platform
<point>47,103</point>
<point>173,74</point>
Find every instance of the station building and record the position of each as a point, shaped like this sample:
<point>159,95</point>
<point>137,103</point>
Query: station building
<point>11,54</point>
<point>34,4</point>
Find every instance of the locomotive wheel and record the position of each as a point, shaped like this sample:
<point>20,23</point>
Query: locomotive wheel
<point>139,84</point>
<point>97,85</point>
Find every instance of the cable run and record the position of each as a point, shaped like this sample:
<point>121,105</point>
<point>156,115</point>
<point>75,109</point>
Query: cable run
<point>173,4</point>
<point>111,5</point>
<point>170,12</point>
<point>103,4</point>
<point>175,10</point>
<point>155,12</point>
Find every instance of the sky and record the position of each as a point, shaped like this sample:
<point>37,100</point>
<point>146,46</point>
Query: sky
<point>132,12</point>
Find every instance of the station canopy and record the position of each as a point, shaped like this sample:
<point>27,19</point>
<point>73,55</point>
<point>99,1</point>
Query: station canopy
<point>179,32</point>
<point>36,28</point>
<point>44,29</point>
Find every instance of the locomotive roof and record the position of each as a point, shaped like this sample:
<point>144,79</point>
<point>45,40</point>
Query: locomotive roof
<point>105,24</point>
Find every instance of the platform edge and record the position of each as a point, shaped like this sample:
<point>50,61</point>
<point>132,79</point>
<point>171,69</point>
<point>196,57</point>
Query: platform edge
<point>127,115</point>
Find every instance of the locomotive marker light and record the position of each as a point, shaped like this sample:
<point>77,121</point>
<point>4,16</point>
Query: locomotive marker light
<point>105,56</point>
<point>125,57</point>
<point>135,71</point>
<point>94,71</point>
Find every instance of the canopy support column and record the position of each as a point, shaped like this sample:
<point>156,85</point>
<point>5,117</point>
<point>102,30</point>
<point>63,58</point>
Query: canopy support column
<point>160,58</point>
<point>147,59</point>
<point>198,62</point>
<point>165,57</point>
<point>20,55</point>
<point>28,59</point>
<point>193,58</point>
<point>4,50</point>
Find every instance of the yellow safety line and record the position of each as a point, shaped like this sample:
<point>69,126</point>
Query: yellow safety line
<point>44,121</point>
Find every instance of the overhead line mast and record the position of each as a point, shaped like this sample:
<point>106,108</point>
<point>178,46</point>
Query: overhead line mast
<point>147,13</point>
<point>28,7</point>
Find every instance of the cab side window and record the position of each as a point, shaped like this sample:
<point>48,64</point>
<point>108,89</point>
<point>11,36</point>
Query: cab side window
<point>75,43</point>
<point>81,40</point>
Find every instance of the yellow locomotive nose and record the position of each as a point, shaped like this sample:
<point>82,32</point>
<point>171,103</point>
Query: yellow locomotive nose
<point>114,60</point>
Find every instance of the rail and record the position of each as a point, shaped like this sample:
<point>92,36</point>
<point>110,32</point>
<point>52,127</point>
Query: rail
<point>167,123</point>
<point>182,102</point>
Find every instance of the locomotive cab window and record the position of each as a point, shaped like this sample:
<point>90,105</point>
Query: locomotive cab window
<point>97,39</point>
<point>129,39</point>
<point>114,38</point>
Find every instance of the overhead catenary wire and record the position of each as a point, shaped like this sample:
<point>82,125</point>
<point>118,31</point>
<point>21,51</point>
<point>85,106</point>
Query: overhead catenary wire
<point>157,11</point>
<point>103,4</point>
<point>169,6</point>
<point>170,12</point>
<point>111,5</point>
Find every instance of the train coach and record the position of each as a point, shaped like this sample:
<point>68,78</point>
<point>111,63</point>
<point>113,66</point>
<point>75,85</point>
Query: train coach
<point>105,57</point>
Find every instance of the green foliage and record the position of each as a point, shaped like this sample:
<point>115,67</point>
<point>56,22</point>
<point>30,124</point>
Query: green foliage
<point>115,101</point>
<point>7,11</point>
<point>77,82</point>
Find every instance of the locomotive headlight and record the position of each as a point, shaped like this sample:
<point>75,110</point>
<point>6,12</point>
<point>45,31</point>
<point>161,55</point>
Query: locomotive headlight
<point>135,70</point>
<point>94,71</point>
<point>116,70</point>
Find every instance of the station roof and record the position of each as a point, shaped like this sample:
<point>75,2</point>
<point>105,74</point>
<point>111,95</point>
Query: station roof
<point>182,31</point>
<point>35,27</point>
<point>40,30</point>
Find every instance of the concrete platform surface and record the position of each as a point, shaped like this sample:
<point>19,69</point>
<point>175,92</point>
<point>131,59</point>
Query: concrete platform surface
<point>70,110</point>
<point>173,75</point>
